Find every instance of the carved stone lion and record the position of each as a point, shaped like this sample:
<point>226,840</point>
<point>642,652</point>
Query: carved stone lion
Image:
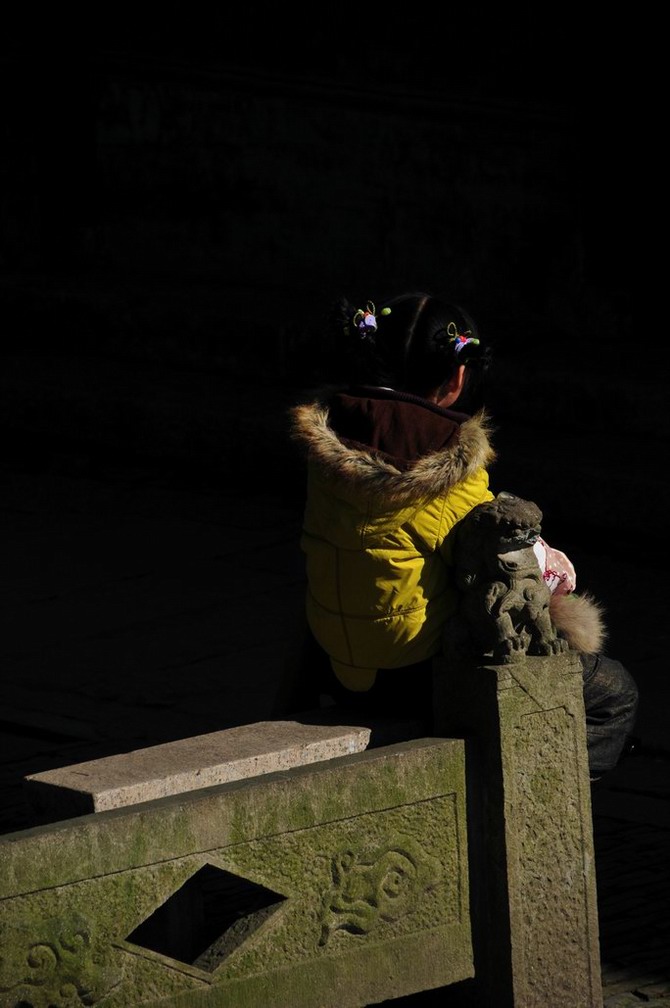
<point>506,608</point>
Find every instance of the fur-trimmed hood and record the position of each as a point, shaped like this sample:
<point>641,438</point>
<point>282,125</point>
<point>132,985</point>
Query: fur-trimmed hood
<point>465,450</point>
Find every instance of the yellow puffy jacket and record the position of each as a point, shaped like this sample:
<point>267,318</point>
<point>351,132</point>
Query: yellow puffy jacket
<point>376,530</point>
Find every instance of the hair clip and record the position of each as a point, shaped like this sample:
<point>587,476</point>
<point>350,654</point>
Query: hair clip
<point>365,320</point>
<point>460,339</point>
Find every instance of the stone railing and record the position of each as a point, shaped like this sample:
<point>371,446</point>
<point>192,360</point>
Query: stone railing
<point>344,881</point>
<point>292,865</point>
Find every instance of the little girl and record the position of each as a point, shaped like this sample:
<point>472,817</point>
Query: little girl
<point>393,467</point>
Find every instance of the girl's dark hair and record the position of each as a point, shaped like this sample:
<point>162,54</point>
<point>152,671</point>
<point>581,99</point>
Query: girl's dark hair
<point>412,349</point>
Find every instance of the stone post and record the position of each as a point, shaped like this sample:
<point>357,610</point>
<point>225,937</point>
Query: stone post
<point>535,926</point>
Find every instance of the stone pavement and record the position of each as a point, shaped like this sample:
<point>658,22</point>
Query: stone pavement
<point>138,608</point>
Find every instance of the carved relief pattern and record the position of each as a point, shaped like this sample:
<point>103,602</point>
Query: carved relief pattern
<point>550,859</point>
<point>56,965</point>
<point>58,947</point>
<point>374,886</point>
<point>373,877</point>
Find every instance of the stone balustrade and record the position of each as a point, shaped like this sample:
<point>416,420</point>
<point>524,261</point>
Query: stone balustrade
<point>464,859</point>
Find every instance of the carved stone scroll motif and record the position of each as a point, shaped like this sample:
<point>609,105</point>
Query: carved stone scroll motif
<point>373,886</point>
<point>55,964</point>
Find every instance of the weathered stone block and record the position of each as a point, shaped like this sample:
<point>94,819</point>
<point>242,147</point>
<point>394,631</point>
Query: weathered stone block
<point>187,764</point>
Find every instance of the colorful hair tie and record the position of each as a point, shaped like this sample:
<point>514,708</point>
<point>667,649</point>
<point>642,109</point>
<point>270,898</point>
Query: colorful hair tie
<point>460,339</point>
<point>365,320</point>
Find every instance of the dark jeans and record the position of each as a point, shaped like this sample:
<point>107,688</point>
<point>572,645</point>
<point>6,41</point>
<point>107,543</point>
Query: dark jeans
<point>610,699</point>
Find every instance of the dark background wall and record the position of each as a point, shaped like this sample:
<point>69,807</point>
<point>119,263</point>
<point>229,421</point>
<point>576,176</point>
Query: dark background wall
<point>186,189</point>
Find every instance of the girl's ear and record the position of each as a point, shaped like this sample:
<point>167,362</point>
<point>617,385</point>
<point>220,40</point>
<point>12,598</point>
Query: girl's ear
<point>453,388</point>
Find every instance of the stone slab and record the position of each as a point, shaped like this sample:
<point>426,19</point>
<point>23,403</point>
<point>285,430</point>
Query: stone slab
<point>189,764</point>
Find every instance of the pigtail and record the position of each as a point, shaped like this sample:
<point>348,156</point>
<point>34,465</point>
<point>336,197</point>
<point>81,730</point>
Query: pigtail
<point>340,318</point>
<point>362,334</point>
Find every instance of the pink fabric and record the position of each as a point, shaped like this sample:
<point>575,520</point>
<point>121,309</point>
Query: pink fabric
<point>557,570</point>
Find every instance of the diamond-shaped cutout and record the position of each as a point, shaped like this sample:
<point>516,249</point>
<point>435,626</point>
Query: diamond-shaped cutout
<point>209,917</point>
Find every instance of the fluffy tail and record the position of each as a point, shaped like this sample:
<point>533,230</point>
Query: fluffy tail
<point>579,618</point>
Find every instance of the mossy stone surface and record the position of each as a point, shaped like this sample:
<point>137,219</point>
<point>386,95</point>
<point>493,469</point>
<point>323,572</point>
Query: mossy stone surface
<point>363,857</point>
